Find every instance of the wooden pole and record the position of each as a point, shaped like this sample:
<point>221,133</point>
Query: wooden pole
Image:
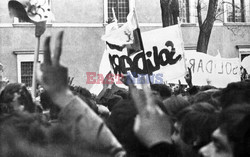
<point>40,29</point>
<point>142,46</point>
<point>36,58</point>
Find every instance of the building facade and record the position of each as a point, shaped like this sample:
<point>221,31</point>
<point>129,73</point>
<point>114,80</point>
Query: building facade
<point>84,23</point>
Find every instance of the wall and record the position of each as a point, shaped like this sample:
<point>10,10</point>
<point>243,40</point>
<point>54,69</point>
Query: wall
<point>81,50</point>
<point>78,11</point>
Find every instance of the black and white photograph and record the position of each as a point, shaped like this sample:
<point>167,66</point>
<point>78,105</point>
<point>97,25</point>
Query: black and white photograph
<point>125,78</point>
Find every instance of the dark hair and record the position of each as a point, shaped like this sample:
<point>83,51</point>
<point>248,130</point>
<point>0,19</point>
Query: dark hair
<point>164,90</point>
<point>210,97</point>
<point>198,121</point>
<point>235,93</point>
<point>235,125</point>
<point>24,134</point>
<point>206,87</point>
<point>124,94</point>
<point>174,105</point>
<point>86,96</point>
<point>121,122</point>
<point>25,99</point>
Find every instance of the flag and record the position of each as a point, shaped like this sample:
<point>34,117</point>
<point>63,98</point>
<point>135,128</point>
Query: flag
<point>105,67</point>
<point>31,10</point>
<point>113,25</point>
<point>125,40</point>
<point>133,26</point>
<point>126,36</point>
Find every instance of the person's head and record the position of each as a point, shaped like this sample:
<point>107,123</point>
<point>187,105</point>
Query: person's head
<point>235,93</point>
<point>161,90</point>
<point>23,134</point>
<point>232,137</point>
<point>16,96</point>
<point>121,122</point>
<point>49,105</point>
<point>194,127</point>
<point>86,96</point>
<point>124,94</point>
<point>210,96</point>
<point>174,105</point>
<point>207,87</point>
<point>243,72</point>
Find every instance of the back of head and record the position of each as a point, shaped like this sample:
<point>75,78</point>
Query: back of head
<point>235,93</point>
<point>121,122</point>
<point>23,134</point>
<point>164,90</point>
<point>86,96</point>
<point>124,94</point>
<point>8,94</point>
<point>207,87</point>
<point>82,91</point>
<point>235,125</point>
<point>174,105</point>
<point>198,121</point>
<point>210,97</point>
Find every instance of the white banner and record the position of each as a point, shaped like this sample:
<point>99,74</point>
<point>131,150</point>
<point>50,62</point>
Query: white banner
<point>166,48</point>
<point>215,71</point>
<point>162,59</point>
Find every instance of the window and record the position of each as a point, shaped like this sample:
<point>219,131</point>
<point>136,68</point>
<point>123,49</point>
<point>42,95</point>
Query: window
<point>184,11</point>
<point>244,55</point>
<point>187,11</point>
<point>236,11</point>
<point>121,8</point>
<point>25,60</point>
<point>43,12</point>
<point>232,10</point>
<point>244,51</point>
<point>26,73</point>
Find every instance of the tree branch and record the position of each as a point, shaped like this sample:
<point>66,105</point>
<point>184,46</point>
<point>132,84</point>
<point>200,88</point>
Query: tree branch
<point>199,13</point>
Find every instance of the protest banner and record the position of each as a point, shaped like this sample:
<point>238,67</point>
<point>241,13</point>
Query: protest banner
<point>215,71</point>
<point>125,40</point>
<point>162,58</point>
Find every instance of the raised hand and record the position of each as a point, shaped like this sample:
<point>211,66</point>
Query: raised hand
<point>152,125</point>
<point>188,78</point>
<point>53,76</point>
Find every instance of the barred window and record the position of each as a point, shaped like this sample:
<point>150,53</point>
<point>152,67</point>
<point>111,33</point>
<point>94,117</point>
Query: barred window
<point>187,11</point>
<point>236,10</point>
<point>184,12</point>
<point>121,8</point>
<point>26,73</point>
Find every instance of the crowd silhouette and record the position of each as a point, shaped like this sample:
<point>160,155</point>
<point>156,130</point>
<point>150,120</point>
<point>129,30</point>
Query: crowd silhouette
<point>155,121</point>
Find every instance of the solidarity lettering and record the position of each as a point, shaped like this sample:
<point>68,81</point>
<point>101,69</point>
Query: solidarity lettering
<point>163,58</point>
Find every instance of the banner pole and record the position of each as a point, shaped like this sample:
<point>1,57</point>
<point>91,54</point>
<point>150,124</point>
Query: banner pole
<point>142,46</point>
<point>182,43</point>
<point>39,30</point>
<point>36,58</point>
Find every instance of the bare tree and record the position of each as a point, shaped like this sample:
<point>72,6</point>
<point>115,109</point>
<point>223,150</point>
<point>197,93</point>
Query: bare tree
<point>207,25</point>
<point>170,12</point>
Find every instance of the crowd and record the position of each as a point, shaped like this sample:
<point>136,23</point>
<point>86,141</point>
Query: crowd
<point>155,121</point>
